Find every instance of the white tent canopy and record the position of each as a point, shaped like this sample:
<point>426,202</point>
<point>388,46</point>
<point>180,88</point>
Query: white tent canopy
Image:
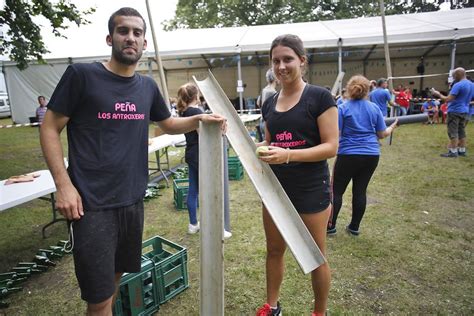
<point>412,30</point>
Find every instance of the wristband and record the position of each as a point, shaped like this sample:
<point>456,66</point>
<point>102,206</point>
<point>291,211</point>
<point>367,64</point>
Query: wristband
<point>288,156</point>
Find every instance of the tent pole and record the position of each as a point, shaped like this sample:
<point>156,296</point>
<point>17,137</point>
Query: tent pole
<point>387,52</point>
<point>240,87</point>
<point>164,86</point>
<point>339,44</point>
<point>453,60</point>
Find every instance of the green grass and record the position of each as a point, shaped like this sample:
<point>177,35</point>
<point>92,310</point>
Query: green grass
<point>414,256</point>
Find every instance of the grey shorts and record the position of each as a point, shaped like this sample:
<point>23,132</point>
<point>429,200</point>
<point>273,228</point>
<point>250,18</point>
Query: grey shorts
<point>456,125</point>
<point>106,242</point>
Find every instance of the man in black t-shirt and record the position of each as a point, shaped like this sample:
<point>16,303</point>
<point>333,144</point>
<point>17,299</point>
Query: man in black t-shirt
<point>107,108</point>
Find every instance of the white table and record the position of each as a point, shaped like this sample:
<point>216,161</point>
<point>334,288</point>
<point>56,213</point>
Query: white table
<point>18,193</point>
<point>159,145</point>
<point>247,118</point>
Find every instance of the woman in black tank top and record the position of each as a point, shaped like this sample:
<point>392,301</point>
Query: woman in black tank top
<point>301,129</point>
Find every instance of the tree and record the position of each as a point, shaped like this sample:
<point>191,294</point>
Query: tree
<point>23,39</point>
<point>228,13</point>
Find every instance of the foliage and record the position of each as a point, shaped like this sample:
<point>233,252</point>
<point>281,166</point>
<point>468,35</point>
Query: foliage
<point>228,13</point>
<point>23,40</point>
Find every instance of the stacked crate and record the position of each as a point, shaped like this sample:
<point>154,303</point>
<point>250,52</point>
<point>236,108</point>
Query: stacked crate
<point>236,170</point>
<point>163,275</point>
<point>180,193</point>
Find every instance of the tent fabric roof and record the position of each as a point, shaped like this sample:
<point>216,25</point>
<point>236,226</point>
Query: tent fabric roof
<point>404,28</point>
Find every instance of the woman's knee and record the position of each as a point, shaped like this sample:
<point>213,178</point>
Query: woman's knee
<point>276,250</point>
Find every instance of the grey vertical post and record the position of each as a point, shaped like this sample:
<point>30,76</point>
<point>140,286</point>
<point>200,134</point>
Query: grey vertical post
<point>240,86</point>
<point>339,44</point>
<point>387,53</point>
<point>453,61</point>
<point>211,202</point>
<point>164,85</point>
<point>226,186</point>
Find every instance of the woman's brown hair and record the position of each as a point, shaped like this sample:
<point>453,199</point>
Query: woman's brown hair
<point>187,93</point>
<point>357,87</point>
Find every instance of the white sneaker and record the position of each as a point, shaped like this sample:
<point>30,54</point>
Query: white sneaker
<point>193,229</point>
<point>227,234</point>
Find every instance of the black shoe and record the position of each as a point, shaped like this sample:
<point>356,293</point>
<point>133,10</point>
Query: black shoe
<point>462,154</point>
<point>331,231</point>
<point>449,154</point>
<point>352,232</point>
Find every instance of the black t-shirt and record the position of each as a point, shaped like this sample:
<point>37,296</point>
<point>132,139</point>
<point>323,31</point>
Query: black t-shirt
<point>107,132</point>
<point>297,128</point>
<point>191,155</point>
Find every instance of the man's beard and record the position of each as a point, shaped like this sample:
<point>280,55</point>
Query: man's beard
<point>125,58</point>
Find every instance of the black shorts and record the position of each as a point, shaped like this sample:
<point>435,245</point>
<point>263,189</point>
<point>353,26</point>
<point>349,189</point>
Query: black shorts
<point>106,242</point>
<point>309,193</point>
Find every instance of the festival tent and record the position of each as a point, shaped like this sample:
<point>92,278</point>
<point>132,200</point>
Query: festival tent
<point>409,35</point>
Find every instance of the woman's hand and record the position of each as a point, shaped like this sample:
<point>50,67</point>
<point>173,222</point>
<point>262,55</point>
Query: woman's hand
<point>275,155</point>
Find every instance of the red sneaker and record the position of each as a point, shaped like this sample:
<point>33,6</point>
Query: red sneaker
<point>266,310</point>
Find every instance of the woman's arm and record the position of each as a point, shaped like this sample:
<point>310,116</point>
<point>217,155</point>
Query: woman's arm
<point>329,133</point>
<point>388,130</point>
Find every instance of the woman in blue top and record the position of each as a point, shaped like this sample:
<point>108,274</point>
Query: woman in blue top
<point>361,124</point>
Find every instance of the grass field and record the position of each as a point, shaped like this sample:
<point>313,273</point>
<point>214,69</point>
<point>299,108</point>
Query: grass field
<point>413,257</point>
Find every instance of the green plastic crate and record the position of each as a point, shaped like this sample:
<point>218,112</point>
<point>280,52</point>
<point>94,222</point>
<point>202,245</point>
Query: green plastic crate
<point>171,266</point>
<point>180,192</point>
<point>138,294</point>
<point>236,170</point>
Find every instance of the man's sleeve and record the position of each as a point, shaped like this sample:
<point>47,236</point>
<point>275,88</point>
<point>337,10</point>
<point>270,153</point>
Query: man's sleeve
<point>159,110</point>
<point>67,94</point>
<point>455,90</point>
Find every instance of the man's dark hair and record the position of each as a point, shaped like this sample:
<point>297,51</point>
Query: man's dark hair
<point>41,97</point>
<point>126,11</point>
<point>381,81</point>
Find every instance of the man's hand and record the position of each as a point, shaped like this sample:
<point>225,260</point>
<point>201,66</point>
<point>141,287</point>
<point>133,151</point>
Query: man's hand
<point>69,202</point>
<point>215,118</point>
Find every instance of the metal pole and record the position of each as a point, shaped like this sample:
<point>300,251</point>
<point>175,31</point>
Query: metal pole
<point>211,201</point>
<point>453,54</point>
<point>453,61</point>
<point>240,86</point>
<point>339,44</point>
<point>387,52</point>
<point>164,86</point>
<point>226,186</point>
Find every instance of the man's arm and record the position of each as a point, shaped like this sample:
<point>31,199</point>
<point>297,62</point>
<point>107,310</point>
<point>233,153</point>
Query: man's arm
<point>68,200</point>
<point>180,125</point>
<point>448,98</point>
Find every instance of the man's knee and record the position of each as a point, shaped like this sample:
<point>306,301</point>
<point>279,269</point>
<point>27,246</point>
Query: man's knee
<point>102,308</point>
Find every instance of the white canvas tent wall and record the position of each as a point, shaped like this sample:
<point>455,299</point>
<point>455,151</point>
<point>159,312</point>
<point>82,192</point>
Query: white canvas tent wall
<point>205,44</point>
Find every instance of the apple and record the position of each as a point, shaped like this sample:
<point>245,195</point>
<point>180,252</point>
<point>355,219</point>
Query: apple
<point>261,149</point>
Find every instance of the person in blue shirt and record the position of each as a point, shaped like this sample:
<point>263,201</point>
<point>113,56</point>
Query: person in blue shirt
<point>431,107</point>
<point>458,101</point>
<point>361,124</point>
<point>380,96</point>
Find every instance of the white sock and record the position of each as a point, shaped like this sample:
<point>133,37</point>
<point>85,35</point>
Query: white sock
<point>274,307</point>
<point>453,150</point>
<point>462,149</point>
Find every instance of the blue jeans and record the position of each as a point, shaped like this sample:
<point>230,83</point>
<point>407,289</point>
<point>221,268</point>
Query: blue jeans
<point>193,192</point>
<point>402,111</point>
